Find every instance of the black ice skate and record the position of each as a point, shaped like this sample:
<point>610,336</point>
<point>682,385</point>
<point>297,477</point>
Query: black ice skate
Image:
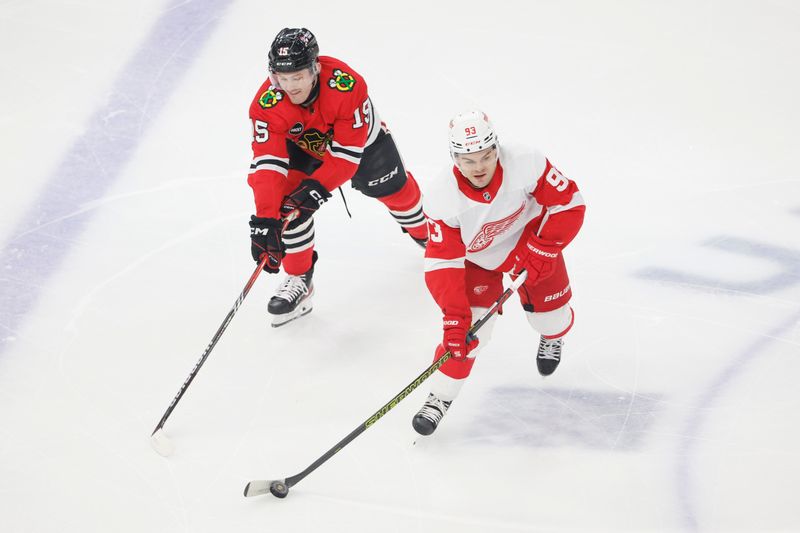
<point>292,299</point>
<point>427,419</point>
<point>549,355</point>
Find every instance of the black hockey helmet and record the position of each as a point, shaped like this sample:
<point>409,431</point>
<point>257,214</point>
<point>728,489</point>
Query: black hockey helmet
<point>293,49</point>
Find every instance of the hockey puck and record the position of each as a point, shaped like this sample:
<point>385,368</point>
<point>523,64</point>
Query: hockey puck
<point>278,489</point>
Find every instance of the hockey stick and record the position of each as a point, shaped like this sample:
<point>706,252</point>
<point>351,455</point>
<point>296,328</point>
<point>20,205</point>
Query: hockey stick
<point>280,487</point>
<point>158,439</point>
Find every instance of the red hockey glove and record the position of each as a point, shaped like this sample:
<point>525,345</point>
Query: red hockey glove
<point>265,238</point>
<point>455,336</point>
<point>304,201</point>
<point>538,258</point>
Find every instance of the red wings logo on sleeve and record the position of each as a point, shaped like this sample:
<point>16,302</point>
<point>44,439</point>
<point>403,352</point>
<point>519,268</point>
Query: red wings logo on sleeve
<point>490,230</point>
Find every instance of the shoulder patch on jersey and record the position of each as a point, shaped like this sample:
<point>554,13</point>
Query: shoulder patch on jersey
<point>270,98</point>
<point>297,129</point>
<point>342,81</point>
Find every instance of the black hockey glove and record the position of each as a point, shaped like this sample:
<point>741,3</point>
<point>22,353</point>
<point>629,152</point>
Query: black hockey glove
<point>304,201</point>
<point>265,238</point>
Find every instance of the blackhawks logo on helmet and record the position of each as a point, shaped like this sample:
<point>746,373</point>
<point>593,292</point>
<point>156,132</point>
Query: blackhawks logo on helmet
<point>270,98</point>
<point>342,81</point>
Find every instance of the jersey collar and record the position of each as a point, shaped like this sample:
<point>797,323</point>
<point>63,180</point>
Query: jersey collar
<point>485,195</point>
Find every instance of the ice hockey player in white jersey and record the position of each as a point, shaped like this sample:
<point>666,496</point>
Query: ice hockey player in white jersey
<point>497,210</point>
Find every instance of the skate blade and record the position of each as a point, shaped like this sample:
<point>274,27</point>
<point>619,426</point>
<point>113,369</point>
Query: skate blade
<point>302,310</point>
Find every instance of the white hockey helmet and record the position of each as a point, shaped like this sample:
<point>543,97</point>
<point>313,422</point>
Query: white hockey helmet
<point>471,132</point>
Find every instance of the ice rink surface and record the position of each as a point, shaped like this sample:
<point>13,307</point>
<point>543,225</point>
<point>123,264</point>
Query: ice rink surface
<point>123,218</point>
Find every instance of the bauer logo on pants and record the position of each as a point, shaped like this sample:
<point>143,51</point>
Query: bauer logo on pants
<point>556,296</point>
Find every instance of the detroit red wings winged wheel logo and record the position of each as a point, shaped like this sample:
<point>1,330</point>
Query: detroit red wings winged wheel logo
<point>490,230</point>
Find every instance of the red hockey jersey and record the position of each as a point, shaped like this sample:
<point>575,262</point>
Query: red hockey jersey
<point>487,226</point>
<point>335,128</point>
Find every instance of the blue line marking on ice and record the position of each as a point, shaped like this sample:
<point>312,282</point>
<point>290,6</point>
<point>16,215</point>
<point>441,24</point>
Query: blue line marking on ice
<point>697,419</point>
<point>45,233</point>
<point>787,258</point>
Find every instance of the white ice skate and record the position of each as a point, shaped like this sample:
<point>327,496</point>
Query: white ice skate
<point>427,419</point>
<point>292,299</point>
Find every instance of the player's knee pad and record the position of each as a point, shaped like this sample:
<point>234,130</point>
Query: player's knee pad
<point>552,323</point>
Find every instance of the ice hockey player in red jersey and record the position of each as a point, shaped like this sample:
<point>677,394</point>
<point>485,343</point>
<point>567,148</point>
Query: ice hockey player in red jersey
<point>314,129</point>
<point>497,210</point>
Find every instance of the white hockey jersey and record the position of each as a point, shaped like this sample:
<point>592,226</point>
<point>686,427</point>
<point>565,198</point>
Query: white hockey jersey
<point>486,226</point>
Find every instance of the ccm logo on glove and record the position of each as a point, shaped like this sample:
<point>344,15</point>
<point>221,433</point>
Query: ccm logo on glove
<point>265,238</point>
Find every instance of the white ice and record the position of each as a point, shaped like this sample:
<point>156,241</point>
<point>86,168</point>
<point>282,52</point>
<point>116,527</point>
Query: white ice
<point>676,405</point>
